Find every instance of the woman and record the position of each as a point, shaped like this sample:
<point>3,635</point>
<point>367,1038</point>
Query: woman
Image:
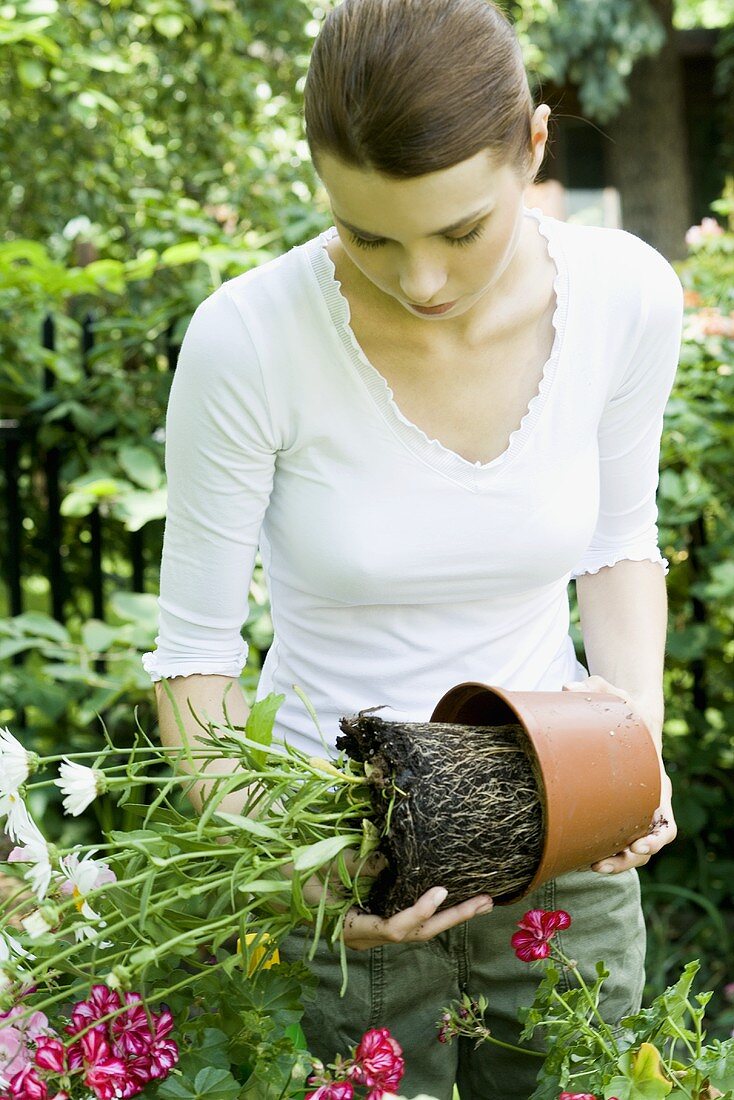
<point>430,418</point>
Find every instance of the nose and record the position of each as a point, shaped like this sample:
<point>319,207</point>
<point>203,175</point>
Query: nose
<point>421,283</point>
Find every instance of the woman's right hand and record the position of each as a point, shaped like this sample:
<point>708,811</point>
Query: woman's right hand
<point>421,922</point>
<point>418,923</point>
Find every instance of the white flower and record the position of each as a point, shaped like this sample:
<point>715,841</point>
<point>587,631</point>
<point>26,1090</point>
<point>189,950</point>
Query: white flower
<point>36,925</point>
<point>16,763</point>
<point>34,851</point>
<point>10,946</point>
<point>18,821</point>
<point>82,876</point>
<point>80,784</point>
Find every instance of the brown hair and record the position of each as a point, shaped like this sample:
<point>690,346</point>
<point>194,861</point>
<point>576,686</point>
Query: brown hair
<point>406,87</point>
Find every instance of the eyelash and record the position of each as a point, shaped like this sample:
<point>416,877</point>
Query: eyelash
<point>363,242</point>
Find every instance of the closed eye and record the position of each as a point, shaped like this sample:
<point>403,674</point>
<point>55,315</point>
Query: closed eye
<point>365,242</point>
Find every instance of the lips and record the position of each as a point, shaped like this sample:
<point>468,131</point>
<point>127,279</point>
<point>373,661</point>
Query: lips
<point>433,309</point>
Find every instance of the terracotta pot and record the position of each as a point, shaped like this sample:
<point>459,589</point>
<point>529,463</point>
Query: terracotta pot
<point>596,764</point>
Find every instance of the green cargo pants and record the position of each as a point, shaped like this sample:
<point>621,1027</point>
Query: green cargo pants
<point>404,987</point>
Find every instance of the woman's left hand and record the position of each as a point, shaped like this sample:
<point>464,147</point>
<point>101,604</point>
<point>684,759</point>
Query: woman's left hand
<point>665,831</point>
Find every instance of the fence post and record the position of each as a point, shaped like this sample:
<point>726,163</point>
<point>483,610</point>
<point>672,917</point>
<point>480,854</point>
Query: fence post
<point>10,433</point>
<point>56,576</point>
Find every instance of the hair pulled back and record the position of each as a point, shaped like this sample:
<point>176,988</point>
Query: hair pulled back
<point>406,87</point>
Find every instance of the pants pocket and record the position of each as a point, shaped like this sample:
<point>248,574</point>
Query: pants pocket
<point>607,925</point>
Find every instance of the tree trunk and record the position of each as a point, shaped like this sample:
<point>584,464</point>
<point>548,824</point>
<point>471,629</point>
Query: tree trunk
<point>647,153</point>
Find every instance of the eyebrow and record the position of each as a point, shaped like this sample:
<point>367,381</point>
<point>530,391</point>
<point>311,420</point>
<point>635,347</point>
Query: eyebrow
<point>438,233</point>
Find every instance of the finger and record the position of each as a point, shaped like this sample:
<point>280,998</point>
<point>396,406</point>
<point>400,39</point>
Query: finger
<point>653,842</point>
<point>422,922</point>
<point>419,922</point>
<point>622,861</point>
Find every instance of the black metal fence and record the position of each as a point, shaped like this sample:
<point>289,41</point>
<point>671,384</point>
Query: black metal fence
<point>26,462</point>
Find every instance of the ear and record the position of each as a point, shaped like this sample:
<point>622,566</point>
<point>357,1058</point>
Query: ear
<point>539,136</point>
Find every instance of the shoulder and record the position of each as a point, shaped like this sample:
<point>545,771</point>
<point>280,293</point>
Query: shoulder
<point>273,285</point>
<point>623,261</point>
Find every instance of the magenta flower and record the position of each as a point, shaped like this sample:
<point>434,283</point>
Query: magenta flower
<point>50,1054</point>
<point>130,1029</point>
<point>537,929</point>
<point>163,1053</point>
<point>579,1096</point>
<point>100,1002</point>
<point>377,1062</point>
<point>120,1055</point>
<point>27,1085</point>
<point>336,1090</point>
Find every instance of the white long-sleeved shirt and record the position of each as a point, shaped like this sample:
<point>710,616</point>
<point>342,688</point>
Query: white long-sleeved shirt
<point>397,568</point>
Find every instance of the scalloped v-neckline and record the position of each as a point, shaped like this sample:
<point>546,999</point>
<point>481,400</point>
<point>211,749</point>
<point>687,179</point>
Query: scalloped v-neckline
<point>473,475</point>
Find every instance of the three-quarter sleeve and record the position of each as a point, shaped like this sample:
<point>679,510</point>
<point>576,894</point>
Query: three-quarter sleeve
<point>631,426</point>
<point>220,457</point>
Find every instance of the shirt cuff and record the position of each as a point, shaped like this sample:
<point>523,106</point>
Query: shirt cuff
<point>594,560</point>
<point>160,667</point>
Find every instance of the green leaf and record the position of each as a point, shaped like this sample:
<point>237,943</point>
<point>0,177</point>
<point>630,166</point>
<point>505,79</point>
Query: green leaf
<point>313,856</point>
<point>136,607</point>
<point>185,253</point>
<point>249,825</point>
<point>98,636</point>
<point>141,466</point>
<point>42,626</point>
<point>31,72</point>
<point>136,507</point>
<point>260,722</point>
<point>169,25</point>
<point>265,886</point>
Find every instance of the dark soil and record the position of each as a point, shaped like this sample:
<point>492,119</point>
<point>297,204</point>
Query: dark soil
<point>467,813</point>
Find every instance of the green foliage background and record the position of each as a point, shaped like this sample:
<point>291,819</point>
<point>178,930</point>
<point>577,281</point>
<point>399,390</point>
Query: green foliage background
<point>150,151</point>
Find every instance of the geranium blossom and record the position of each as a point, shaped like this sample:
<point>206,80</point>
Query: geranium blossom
<point>337,1090</point>
<point>377,1062</point>
<point>536,929</point>
<point>119,1055</point>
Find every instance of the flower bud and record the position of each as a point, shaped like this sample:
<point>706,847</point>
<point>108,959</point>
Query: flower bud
<point>119,978</point>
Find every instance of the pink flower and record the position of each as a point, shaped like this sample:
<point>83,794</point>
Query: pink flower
<point>378,1062</point>
<point>32,1026</point>
<point>577,1096</point>
<point>537,929</point>
<point>708,228</point>
<point>337,1090</point>
<point>14,1055</point>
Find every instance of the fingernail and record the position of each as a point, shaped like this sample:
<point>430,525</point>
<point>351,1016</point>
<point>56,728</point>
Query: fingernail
<point>642,849</point>
<point>440,895</point>
<point>605,869</point>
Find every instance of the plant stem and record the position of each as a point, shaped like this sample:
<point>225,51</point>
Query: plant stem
<point>587,994</point>
<point>593,1032</point>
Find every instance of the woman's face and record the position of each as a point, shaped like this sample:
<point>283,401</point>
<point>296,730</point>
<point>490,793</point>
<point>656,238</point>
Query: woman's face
<point>446,237</point>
